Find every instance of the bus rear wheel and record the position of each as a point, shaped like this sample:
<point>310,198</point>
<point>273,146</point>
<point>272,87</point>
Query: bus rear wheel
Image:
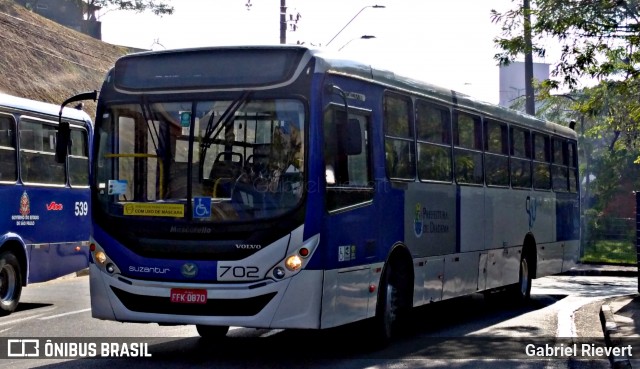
<point>520,293</point>
<point>10,283</point>
<point>212,332</point>
<point>523,288</point>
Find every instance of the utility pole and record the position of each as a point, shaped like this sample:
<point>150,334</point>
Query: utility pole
<point>530,103</point>
<point>283,22</point>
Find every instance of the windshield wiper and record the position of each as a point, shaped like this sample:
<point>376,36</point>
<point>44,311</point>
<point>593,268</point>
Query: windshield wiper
<point>224,120</point>
<point>149,115</point>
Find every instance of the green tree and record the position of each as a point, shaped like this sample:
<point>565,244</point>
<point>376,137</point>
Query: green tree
<point>157,7</point>
<point>598,39</point>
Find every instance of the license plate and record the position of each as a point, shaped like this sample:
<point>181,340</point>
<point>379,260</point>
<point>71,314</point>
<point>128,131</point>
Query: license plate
<point>188,296</point>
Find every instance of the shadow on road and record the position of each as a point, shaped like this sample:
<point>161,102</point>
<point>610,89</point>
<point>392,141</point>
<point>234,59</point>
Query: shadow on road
<point>26,306</point>
<point>436,331</point>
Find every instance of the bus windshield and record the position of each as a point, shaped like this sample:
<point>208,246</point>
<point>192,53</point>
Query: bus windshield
<point>235,160</point>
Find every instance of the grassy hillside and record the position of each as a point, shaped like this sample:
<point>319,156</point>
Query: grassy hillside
<point>43,60</point>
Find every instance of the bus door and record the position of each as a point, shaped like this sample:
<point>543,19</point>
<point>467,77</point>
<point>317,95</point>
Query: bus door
<point>349,227</point>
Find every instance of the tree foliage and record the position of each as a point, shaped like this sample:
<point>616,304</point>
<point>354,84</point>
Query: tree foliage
<point>157,7</point>
<point>599,39</point>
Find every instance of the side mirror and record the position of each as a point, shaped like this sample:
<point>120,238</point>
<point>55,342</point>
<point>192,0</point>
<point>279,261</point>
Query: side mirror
<point>349,137</point>
<point>63,136</point>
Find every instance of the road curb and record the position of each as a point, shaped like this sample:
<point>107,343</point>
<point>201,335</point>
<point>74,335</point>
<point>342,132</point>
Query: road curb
<point>610,330</point>
<point>598,273</point>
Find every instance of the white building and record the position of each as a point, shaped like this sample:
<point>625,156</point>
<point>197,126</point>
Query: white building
<point>512,80</point>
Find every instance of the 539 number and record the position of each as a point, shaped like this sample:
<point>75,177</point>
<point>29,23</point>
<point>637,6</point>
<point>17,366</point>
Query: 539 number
<point>81,208</point>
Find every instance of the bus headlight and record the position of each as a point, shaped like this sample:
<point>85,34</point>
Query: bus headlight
<point>293,263</point>
<point>100,257</point>
<point>298,257</point>
<point>101,260</point>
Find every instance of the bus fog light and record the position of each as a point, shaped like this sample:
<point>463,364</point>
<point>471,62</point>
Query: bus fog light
<point>100,257</point>
<point>110,268</point>
<point>278,272</point>
<point>293,263</point>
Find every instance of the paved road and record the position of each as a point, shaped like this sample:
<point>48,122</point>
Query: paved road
<point>465,332</point>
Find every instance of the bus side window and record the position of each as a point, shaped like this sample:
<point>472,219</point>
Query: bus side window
<point>573,167</point>
<point>37,154</point>
<point>347,159</point>
<point>398,142</point>
<point>520,165</point>
<point>8,168</point>
<point>496,159</point>
<point>433,131</point>
<point>467,140</point>
<point>78,159</point>
<point>559,170</point>
<point>541,162</point>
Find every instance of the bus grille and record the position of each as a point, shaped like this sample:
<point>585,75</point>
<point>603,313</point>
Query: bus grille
<point>213,307</point>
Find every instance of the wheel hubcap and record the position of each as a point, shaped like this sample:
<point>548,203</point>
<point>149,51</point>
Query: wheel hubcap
<point>390,311</point>
<point>524,277</point>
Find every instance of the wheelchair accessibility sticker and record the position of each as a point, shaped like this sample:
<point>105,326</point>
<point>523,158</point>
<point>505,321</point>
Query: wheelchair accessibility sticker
<point>202,207</point>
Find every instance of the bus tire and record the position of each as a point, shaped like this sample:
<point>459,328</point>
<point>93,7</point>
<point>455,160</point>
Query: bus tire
<point>386,310</point>
<point>522,290</point>
<point>10,283</point>
<point>392,308</point>
<point>212,332</point>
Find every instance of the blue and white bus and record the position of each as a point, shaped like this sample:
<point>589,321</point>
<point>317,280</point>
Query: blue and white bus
<point>44,217</point>
<point>286,187</point>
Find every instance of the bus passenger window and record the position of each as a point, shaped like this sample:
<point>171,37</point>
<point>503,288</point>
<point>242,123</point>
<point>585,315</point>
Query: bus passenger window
<point>541,162</point>
<point>520,165</point>
<point>78,159</point>
<point>496,161</point>
<point>467,139</point>
<point>433,127</point>
<point>399,147</point>
<point>559,170</point>
<point>8,170</point>
<point>573,167</point>
<point>37,154</point>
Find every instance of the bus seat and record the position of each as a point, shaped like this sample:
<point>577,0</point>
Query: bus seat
<point>226,168</point>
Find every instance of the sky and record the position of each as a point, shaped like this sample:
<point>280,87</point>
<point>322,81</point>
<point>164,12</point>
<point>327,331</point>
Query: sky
<point>445,42</point>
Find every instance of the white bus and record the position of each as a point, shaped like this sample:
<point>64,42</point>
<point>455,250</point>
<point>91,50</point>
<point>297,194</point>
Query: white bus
<point>231,189</point>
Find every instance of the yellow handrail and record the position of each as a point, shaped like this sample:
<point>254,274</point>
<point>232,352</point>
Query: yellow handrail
<point>138,155</point>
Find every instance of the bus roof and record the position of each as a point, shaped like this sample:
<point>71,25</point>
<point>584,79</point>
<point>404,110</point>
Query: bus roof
<point>334,62</point>
<point>40,107</point>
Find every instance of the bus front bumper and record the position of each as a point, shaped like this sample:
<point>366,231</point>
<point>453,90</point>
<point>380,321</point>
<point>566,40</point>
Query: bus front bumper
<point>291,303</point>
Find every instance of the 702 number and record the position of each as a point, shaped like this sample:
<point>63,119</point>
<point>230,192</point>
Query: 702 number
<point>240,271</point>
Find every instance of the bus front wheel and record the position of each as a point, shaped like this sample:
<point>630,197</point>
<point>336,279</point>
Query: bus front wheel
<point>10,283</point>
<point>392,306</point>
<point>212,332</point>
